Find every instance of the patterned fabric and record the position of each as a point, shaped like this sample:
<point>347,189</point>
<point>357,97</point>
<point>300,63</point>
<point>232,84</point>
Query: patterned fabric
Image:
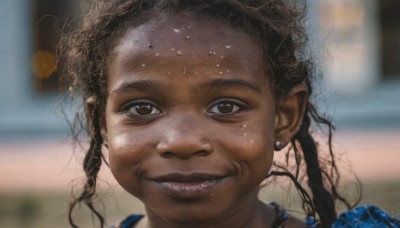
<point>366,216</point>
<point>360,217</point>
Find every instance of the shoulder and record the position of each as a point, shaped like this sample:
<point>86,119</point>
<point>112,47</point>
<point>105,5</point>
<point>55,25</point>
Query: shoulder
<point>364,216</point>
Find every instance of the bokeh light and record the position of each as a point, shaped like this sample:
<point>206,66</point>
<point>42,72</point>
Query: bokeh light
<point>43,64</point>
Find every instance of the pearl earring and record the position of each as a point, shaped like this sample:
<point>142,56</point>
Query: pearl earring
<point>278,145</point>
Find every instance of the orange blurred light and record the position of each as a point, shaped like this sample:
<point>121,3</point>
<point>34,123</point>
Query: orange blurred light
<point>43,64</point>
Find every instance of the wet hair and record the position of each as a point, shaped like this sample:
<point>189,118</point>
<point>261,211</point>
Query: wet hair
<point>280,34</point>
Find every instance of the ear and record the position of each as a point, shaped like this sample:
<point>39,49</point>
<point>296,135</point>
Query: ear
<point>289,114</point>
<point>90,107</point>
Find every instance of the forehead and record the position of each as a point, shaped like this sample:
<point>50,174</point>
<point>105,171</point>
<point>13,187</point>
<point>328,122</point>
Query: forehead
<point>186,35</point>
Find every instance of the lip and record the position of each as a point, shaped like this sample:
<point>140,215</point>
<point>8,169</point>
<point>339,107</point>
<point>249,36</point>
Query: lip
<point>188,186</point>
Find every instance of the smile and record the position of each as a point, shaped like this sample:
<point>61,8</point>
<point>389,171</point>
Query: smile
<point>191,186</point>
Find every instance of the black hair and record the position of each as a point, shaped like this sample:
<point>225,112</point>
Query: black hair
<point>279,31</point>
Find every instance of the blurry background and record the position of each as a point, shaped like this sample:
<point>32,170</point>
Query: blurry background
<point>356,43</point>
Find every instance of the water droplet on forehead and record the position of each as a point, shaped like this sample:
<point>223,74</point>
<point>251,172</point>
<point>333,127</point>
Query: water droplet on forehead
<point>187,37</point>
<point>177,30</point>
<point>143,65</point>
<point>169,72</point>
<point>222,56</point>
<point>189,27</point>
<point>195,73</point>
<point>243,126</point>
<point>172,49</point>
<point>179,53</point>
<point>228,46</point>
<point>157,54</point>
<point>228,71</point>
<point>220,72</point>
<point>212,53</point>
<point>217,65</point>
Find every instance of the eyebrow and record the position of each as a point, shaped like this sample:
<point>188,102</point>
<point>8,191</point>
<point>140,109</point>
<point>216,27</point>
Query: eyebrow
<point>140,86</point>
<point>232,83</point>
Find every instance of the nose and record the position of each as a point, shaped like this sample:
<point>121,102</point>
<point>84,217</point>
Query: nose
<point>184,137</point>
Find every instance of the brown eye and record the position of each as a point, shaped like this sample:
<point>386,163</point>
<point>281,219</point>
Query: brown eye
<point>143,109</point>
<point>225,108</point>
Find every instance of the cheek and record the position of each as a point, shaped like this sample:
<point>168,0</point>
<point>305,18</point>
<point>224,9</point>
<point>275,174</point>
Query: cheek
<point>252,147</point>
<point>127,152</point>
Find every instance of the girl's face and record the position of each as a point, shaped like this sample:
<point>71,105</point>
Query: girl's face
<point>190,118</point>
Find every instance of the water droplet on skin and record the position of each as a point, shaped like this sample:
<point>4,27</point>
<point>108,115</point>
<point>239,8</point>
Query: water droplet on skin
<point>228,71</point>
<point>251,141</point>
<point>212,53</point>
<point>143,65</point>
<point>243,126</point>
<point>195,73</point>
<point>157,54</point>
<point>179,53</point>
<point>217,65</point>
<point>187,37</point>
<point>184,70</point>
<point>220,72</point>
<point>172,49</point>
<point>245,134</point>
<point>222,56</point>
<point>177,30</point>
<point>228,46</point>
<point>169,72</point>
<point>189,27</point>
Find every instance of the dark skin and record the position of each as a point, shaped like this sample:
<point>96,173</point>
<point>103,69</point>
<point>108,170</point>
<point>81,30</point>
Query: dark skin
<point>191,121</point>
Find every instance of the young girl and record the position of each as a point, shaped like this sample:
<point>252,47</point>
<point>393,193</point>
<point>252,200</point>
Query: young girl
<point>191,99</point>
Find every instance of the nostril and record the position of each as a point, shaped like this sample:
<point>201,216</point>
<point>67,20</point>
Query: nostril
<point>201,153</point>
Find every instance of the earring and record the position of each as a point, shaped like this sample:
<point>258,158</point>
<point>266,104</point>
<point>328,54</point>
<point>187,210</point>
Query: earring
<point>278,145</point>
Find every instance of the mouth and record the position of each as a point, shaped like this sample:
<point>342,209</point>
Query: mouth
<point>188,186</point>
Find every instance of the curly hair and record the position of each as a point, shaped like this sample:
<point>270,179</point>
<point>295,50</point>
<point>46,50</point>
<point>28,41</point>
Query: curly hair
<point>275,25</point>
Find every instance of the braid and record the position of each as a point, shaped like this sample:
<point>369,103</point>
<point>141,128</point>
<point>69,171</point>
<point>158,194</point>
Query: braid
<point>322,198</point>
<point>91,166</point>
